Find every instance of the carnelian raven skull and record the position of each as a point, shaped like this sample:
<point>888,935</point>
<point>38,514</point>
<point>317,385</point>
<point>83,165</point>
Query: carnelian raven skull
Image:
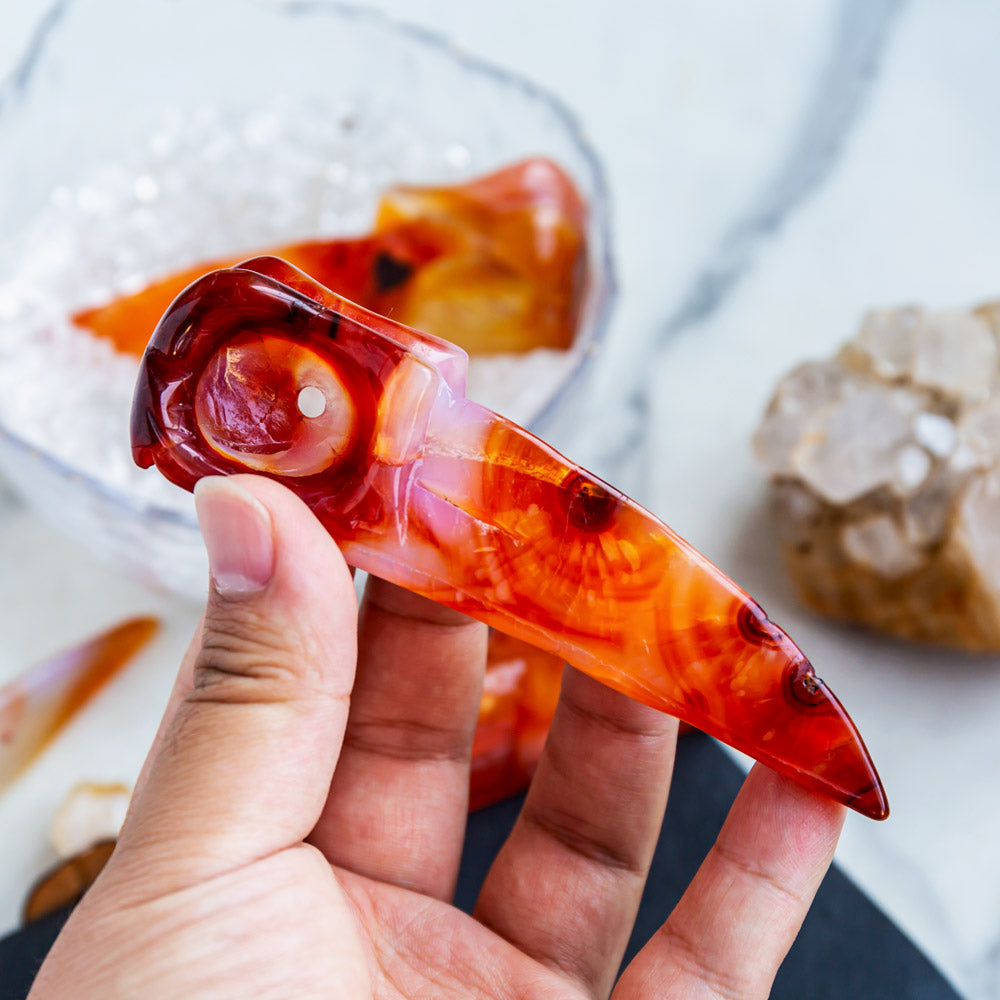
<point>258,368</point>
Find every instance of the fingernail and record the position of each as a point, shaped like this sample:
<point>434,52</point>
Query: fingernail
<point>236,527</point>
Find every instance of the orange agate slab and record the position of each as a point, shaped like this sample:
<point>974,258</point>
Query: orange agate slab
<point>261,369</point>
<point>497,264</point>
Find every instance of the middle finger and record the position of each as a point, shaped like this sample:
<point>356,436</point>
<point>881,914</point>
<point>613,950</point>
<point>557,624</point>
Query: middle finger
<point>566,886</point>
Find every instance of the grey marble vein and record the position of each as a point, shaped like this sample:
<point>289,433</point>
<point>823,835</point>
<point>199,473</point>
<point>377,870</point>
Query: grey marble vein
<point>8,500</point>
<point>861,33</point>
<point>13,86</point>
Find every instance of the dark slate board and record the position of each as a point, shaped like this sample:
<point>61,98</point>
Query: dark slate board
<point>847,947</point>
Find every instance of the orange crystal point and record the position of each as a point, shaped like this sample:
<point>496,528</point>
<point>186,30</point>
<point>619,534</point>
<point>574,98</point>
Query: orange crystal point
<point>426,488</point>
<point>36,705</point>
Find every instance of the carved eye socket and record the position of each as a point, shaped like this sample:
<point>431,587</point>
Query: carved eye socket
<point>274,406</point>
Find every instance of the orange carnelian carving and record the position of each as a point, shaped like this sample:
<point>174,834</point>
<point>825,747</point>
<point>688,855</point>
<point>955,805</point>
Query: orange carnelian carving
<point>260,368</point>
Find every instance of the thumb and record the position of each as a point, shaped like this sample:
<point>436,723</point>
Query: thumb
<point>242,767</point>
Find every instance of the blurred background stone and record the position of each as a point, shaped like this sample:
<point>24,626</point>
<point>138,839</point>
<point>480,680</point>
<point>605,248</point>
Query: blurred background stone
<point>895,525</point>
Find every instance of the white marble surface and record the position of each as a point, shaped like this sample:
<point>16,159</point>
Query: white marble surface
<point>776,168</point>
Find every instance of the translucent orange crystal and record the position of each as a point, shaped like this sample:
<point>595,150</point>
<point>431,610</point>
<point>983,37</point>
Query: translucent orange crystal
<point>495,264</point>
<point>426,488</point>
<point>520,692</point>
<point>36,705</point>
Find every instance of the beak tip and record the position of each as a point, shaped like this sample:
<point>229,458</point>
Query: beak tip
<point>872,803</point>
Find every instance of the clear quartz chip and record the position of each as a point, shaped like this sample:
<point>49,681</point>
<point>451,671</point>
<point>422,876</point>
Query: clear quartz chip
<point>878,543</point>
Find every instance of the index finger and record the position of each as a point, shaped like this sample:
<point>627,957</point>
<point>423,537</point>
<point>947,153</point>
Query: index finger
<point>739,916</point>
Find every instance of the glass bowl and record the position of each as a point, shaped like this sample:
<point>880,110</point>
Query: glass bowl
<point>218,127</point>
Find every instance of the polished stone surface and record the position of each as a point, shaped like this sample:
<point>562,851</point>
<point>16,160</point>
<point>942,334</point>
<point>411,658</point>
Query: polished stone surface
<point>777,169</point>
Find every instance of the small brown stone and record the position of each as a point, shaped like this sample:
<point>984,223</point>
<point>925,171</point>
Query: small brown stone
<point>65,884</point>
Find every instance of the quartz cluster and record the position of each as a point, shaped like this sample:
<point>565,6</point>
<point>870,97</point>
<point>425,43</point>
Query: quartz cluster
<point>884,463</point>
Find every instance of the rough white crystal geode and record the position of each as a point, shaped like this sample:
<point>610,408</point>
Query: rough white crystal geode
<point>884,463</point>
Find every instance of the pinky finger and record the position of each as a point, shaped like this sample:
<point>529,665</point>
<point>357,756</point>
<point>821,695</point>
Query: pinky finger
<point>735,923</point>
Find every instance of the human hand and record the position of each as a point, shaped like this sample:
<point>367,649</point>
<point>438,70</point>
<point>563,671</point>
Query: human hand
<point>244,870</point>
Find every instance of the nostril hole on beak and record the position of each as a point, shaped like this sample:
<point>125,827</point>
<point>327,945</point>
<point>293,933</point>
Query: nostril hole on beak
<point>311,401</point>
<point>803,687</point>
